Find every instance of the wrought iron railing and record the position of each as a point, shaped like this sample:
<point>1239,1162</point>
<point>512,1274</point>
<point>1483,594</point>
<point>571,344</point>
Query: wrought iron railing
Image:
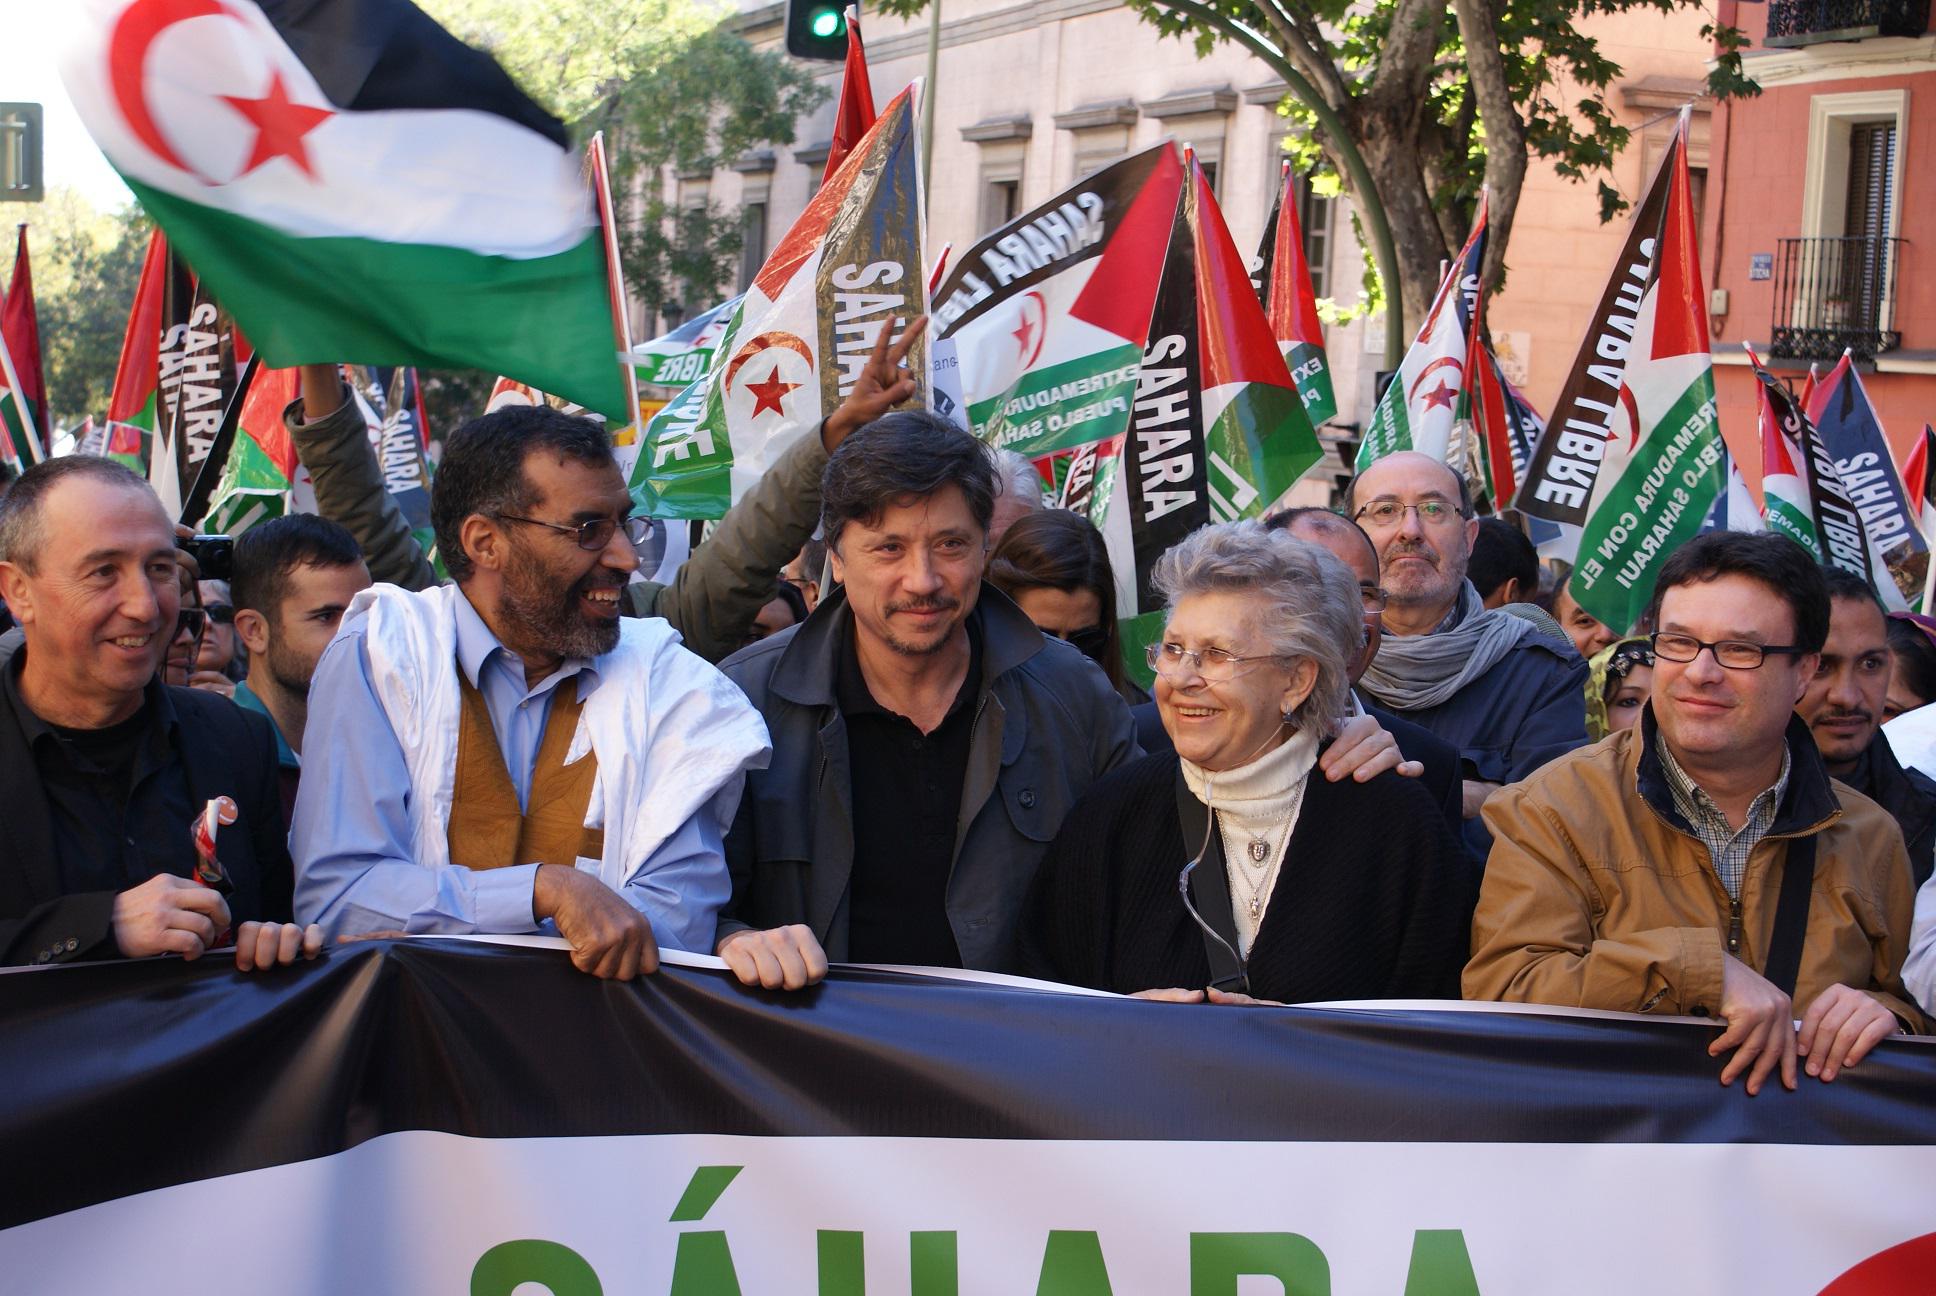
<point>1806,22</point>
<point>1835,294</point>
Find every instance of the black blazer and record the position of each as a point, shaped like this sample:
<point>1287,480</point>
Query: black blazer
<point>1374,901</point>
<point>1443,776</point>
<point>224,751</point>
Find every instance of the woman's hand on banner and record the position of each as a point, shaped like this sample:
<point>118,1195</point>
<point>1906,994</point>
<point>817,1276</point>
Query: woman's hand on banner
<point>608,937</point>
<point>779,958</point>
<point>882,383</point>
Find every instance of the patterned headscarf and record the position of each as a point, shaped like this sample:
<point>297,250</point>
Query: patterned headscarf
<point>1606,670</point>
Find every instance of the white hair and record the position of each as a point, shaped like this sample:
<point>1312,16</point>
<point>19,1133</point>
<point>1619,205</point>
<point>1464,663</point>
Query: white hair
<point>1017,476</point>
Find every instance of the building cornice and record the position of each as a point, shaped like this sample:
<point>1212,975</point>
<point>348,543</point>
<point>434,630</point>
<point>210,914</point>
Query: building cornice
<point>1192,103</point>
<point>999,128</point>
<point>1268,95</point>
<point>1862,60</point>
<point>1120,112</point>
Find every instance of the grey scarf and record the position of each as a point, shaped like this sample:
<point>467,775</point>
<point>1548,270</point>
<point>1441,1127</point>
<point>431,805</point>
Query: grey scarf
<point>1413,672</point>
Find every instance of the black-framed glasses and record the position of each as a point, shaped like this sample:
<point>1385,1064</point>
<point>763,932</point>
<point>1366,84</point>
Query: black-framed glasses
<point>1375,599</point>
<point>595,534</point>
<point>1735,654</point>
<point>192,619</point>
<point>220,613</point>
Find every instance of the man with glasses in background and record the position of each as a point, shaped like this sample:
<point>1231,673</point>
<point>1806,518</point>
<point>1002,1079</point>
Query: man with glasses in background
<point>1507,697</point>
<point>504,754</point>
<point>103,767</point>
<point>1702,862</point>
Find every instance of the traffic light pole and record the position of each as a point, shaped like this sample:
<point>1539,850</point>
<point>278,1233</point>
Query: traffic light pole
<point>927,94</point>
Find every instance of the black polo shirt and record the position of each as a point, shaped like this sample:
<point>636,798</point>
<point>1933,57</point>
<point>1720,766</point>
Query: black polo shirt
<point>907,802</point>
<point>117,798</point>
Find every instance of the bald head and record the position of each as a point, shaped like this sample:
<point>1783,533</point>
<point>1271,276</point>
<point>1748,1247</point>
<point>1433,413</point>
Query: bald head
<point>1408,466</point>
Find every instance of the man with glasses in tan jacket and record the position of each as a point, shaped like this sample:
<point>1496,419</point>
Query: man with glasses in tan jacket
<point>1704,862</point>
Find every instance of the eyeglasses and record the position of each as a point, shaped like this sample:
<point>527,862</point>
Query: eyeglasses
<point>595,534</point>
<point>1375,599</point>
<point>194,620</point>
<point>1735,654</point>
<point>1213,664</point>
<point>220,613</point>
<point>1389,513</point>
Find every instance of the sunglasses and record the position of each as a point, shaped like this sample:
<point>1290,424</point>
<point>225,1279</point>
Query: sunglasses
<point>193,620</point>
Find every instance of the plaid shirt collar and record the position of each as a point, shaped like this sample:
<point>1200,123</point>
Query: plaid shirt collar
<point>1727,849</point>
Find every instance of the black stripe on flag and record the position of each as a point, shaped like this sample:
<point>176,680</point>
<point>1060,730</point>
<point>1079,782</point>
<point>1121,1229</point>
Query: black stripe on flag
<point>371,55</point>
<point>125,1077</point>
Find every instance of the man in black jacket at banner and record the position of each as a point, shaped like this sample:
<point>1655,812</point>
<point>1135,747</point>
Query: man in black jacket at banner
<point>1843,708</point>
<point>102,767</point>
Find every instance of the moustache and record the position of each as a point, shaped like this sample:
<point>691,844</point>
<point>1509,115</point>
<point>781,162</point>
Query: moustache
<point>1864,716</point>
<point>1410,549</point>
<point>939,603</point>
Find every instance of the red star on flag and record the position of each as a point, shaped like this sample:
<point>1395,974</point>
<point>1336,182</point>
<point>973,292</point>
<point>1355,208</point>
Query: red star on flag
<point>770,394</point>
<point>1023,333</point>
<point>279,126</point>
<point>1441,395</point>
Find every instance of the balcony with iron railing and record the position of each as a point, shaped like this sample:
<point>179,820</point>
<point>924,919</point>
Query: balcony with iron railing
<point>1835,294</point>
<point>1810,22</point>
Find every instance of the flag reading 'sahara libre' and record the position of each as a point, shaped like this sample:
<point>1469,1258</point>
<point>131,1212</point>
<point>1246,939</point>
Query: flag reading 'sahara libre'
<point>1557,484</point>
<point>1283,280</point>
<point>1045,319</point>
<point>23,388</point>
<point>1661,470</point>
<point>266,138</point>
<point>850,267</point>
<point>1851,435</point>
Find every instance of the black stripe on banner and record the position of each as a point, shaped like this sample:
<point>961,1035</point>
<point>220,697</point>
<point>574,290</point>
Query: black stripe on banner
<point>126,1077</point>
<point>370,55</point>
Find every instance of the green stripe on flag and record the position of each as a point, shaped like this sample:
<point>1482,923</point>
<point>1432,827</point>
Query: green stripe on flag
<point>1257,449</point>
<point>1657,504</point>
<point>546,321</point>
<point>1784,518</point>
<point>1062,406</point>
<point>1311,371</point>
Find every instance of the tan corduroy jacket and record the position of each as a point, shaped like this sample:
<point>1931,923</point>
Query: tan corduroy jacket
<point>1597,894</point>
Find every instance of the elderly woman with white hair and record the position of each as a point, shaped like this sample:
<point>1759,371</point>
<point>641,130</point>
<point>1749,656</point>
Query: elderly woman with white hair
<point>1225,871</point>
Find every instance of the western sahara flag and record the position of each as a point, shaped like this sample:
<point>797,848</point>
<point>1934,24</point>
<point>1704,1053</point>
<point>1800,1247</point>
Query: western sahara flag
<point>1558,482</point>
<point>1219,430</point>
<point>441,1116</point>
<point>23,388</point>
<point>850,266</point>
<point>200,358</point>
<point>1420,407</point>
<point>1283,281</point>
<point>1661,470</point>
<point>265,141</point>
<point>1784,494</point>
<point>261,468</point>
<point>133,406</point>
<point>1851,434</point>
<point>1045,319</point>
<point>1916,472</point>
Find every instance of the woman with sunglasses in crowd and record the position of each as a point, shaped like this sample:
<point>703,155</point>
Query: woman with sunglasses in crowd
<point>1053,563</point>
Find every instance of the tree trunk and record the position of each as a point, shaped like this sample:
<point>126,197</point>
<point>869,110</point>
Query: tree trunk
<point>1390,146</point>
<point>1505,129</point>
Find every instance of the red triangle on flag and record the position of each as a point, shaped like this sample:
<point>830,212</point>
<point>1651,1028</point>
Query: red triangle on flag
<point>1680,311</point>
<point>1121,293</point>
<point>1234,339</point>
<point>856,111</point>
<point>810,229</point>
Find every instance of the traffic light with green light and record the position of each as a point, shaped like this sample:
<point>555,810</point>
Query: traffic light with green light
<point>816,29</point>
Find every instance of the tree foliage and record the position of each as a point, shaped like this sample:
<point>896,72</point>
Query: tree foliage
<point>86,264</point>
<point>673,88</point>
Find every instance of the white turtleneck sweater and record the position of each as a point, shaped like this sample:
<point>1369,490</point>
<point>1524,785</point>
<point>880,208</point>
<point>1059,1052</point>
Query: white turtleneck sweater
<point>1251,802</point>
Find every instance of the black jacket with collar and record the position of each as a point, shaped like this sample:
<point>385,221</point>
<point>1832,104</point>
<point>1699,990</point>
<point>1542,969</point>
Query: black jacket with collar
<point>1909,795</point>
<point>1047,725</point>
<point>223,750</point>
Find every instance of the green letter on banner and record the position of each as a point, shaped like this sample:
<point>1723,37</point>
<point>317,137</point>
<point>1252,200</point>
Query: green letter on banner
<point>1217,1260</point>
<point>552,1265</point>
<point>843,1268</point>
<point>1440,1265</point>
<point>932,1270</point>
<point>1072,1266</point>
<point>703,1266</point>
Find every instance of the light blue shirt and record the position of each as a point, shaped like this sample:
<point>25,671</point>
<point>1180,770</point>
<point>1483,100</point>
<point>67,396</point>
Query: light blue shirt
<point>351,835</point>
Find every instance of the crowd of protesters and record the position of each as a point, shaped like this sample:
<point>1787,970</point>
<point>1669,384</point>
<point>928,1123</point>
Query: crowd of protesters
<point>881,715</point>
